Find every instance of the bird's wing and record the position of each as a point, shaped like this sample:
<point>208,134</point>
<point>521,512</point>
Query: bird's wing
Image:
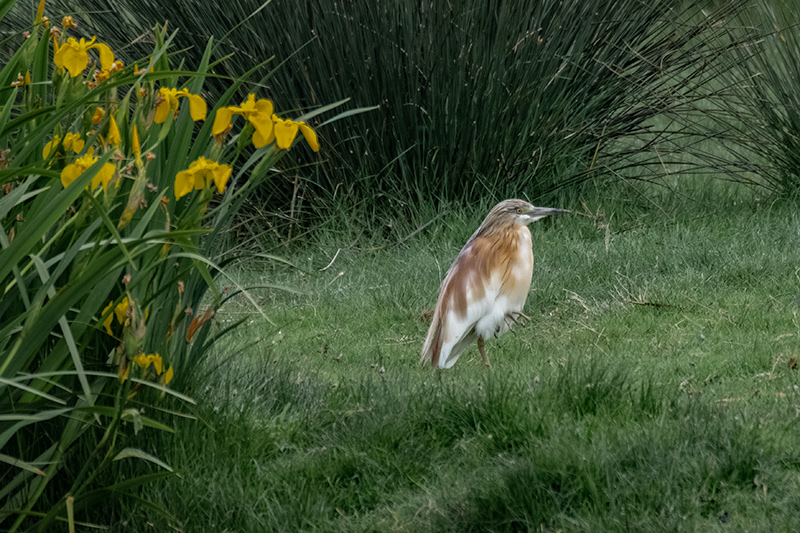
<point>432,346</point>
<point>433,341</point>
<point>462,301</point>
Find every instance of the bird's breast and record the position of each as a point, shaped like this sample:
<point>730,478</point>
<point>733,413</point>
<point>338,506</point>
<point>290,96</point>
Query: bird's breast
<point>489,269</point>
<point>516,279</point>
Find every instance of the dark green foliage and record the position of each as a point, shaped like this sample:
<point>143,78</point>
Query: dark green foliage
<point>490,99</point>
<point>754,109</point>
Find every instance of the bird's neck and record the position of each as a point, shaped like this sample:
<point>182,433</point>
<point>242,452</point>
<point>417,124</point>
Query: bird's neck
<point>512,234</point>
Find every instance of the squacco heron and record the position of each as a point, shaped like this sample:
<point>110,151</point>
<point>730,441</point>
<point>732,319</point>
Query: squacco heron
<point>485,289</point>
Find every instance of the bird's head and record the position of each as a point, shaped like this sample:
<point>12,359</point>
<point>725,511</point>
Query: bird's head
<point>520,212</point>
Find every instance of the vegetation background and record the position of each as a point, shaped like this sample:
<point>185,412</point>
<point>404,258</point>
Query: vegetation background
<point>656,387</point>
<point>488,100</point>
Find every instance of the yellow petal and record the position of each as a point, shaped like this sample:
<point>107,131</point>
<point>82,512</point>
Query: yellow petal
<point>168,376</point>
<point>74,59</point>
<point>265,107</point>
<point>157,362</point>
<point>70,174</point>
<point>222,120</point>
<point>183,184</point>
<point>264,134</point>
<point>311,137</point>
<point>103,177</point>
<point>72,141</point>
<point>114,138</point>
<point>197,107</point>
<point>142,360</point>
<point>261,119</point>
<point>87,160</point>
<point>96,182</point>
<point>221,175</point>
<point>72,171</point>
<point>162,111</point>
<point>285,132</point>
<point>259,140</point>
<point>49,146</point>
<point>121,309</point>
<point>125,374</point>
<point>106,55</point>
<point>58,54</point>
<point>107,320</point>
<point>108,173</point>
<point>248,106</point>
<point>202,177</point>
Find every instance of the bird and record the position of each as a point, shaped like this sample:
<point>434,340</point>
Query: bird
<point>485,289</point>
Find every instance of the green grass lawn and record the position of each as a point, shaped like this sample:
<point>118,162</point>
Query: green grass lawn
<point>652,390</point>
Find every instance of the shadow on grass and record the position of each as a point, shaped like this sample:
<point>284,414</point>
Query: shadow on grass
<point>586,448</point>
<point>654,476</point>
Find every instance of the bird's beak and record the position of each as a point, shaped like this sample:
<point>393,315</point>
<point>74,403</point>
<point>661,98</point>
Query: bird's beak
<point>541,212</point>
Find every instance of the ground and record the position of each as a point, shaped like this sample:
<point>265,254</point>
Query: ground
<point>654,388</point>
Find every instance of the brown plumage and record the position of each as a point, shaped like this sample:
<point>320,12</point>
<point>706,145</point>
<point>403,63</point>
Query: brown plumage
<point>485,289</point>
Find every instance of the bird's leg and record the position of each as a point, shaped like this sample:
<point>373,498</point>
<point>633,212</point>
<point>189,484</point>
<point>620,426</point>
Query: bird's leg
<point>483,352</point>
<point>506,320</point>
<point>515,317</point>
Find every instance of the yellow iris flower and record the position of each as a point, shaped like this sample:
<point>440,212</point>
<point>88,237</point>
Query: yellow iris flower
<point>199,175</point>
<point>286,131</point>
<point>119,311</point>
<point>257,112</point>
<point>168,101</point>
<point>144,361</point>
<point>74,55</point>
<point>72,141</point>
<point>72,171</point>
<point>67,22</point>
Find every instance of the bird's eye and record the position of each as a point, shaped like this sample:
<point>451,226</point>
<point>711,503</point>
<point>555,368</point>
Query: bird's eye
<point>519,210</point>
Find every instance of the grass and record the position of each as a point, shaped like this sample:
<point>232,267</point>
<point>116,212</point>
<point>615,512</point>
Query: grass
<point>651,391</point>
<point>655,386</point>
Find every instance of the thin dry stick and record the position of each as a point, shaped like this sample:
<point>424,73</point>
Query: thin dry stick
<point>332,260</point>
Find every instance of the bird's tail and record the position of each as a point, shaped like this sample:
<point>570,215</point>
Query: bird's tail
<point>432,346</point>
